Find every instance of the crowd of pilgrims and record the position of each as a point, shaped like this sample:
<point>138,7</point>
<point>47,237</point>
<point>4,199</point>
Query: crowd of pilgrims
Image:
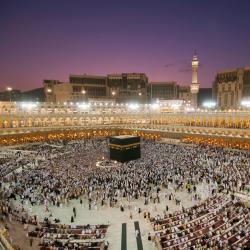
<point>57,173</point>
<point>54,173</point>
<point>220,222</point>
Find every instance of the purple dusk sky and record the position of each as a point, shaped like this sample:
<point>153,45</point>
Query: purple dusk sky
<point>50,39</point>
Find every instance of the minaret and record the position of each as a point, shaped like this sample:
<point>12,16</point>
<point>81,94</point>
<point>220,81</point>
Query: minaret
<point>194,88</point>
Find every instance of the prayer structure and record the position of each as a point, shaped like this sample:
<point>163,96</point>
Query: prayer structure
<point>124,148</point>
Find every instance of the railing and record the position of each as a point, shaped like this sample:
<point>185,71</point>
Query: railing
<point>157,243</point>
<point>4,241</point>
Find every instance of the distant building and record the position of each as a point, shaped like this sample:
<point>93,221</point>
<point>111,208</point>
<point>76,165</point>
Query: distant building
<point>18,96</point>
<point>49,89</point>
<point>79,88</point>
<point>124,87</point>
<point>88,86</point>
<point>184,93</point>
<point>12,95</point>
<point>231,87</point>
<point>162,91</point>
<point>127,86</point>
<point>33,95</point>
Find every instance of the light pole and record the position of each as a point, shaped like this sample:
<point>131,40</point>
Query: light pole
<point>83,93</point>
<point>140,96</point>
<point>151,92</point>
<point>48,95</point>
<point>9,89</point>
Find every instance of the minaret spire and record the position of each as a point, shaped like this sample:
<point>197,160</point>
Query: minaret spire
<point>195,84</point>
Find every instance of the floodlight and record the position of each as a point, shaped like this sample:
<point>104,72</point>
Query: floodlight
<point>245,103</point>
<point>29,105</point>
<point>83,105</point>
<point>133,106</point>
<point>209,104</point>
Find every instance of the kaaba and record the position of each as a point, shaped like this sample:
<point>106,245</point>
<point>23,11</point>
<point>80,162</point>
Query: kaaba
<point>124,148</point>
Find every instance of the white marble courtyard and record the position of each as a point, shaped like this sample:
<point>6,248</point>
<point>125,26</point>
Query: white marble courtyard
<point>114,217</point>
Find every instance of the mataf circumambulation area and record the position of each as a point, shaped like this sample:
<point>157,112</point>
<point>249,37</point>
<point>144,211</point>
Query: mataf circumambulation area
<point>148,180</point>
<point>65,193</point>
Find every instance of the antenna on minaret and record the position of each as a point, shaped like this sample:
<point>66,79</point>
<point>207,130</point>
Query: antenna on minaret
<point>195,56</point>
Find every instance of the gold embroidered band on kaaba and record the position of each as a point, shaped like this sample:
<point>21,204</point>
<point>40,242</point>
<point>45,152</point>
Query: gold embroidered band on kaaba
<point>122,147</point>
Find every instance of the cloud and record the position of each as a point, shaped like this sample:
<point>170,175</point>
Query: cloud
<point>185,70</point>
<point>168,65</point>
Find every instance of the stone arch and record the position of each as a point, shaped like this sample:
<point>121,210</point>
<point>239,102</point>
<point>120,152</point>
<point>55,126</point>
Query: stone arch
<point>61,121</point>
<point>29,122</point>
<point>37,122</point>
<point>53,121</point>
<point>67,121</point>
<point>75,121</point>
<point>45,121</point>
<point>14,123</point>
<point>81,121</point>
<point>6,124</point>
<point>94,121</point>
<point>99,120</point>
<point>106,120</point>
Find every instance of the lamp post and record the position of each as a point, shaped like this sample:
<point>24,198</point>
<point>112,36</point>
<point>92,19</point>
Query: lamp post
<point>151,92</point>
<point>140,95</point>
<point>83,93</point>
<point>9,89</point>
<point>48,96</point>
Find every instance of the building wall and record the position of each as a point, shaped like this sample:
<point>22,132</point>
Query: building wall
<point>93,87</point>
<point>14,118</point>
<point>230,87</point>
<point>49,89</point>
<point>88,79</point>
<point>246,84</point>
<point>184,93</point>
<point>62,92</point>
<point>127,86</point>
<point>72,92</point>
<point>123,87</point>
<point>34,94</point>
<point>162,90</point>
<point>13,95</point>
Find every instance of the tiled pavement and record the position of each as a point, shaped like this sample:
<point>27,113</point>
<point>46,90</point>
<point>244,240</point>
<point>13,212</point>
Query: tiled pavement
<point>115,217</point>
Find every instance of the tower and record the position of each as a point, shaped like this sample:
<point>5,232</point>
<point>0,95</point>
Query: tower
<point>194,88</point>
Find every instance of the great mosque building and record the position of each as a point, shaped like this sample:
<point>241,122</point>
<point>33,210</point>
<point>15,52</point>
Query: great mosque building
<point>164,110</point>
<point>158,120</point>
